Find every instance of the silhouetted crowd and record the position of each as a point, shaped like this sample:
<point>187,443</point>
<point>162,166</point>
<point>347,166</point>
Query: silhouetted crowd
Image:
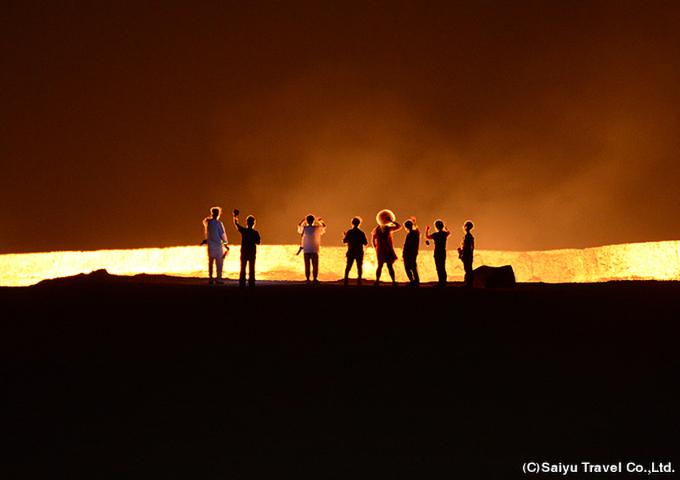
<point>312,228</point>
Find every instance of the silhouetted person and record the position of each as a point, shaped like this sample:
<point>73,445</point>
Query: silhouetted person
<point>466,252</point>
<point>311,232</point>
<point>439,237</point>
<point>250,239</point>
<point>355,240</point>
<point>411,245</point>
<point>384,244</point>
<point>216,239</point>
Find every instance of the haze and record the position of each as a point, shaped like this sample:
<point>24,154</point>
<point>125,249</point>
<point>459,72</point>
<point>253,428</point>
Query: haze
<point>550,124</point>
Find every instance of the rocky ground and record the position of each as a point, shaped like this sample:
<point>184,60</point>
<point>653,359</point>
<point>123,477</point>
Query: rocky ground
<point>155,377</point>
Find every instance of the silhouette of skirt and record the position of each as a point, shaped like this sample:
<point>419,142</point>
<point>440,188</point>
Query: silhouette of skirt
<point>384,248</point>
<point>385,252</point>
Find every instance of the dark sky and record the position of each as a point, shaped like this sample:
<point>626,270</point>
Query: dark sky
<point>550,124</point>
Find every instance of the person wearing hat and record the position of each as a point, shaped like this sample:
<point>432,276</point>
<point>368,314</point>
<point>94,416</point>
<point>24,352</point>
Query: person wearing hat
<point>384,244</point>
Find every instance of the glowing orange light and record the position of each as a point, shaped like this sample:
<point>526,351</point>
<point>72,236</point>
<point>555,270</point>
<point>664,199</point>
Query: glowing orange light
<point>385,217</point>
<point>636,261</point>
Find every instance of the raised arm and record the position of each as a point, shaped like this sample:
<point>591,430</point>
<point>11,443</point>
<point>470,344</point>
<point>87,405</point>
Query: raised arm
<point>235,215</point>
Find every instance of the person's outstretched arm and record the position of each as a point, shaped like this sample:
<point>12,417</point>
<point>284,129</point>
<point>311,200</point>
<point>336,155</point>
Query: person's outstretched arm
<point>235,214</point>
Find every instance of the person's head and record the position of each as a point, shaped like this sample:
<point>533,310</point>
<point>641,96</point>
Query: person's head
<point>408,225</point>
<point>310,219</point>
<point>439,225</point>
<point>468,226</point>
<point>356,221</point>
<point>385,217</point>
<point>216,211</point>
<point>250,221</point>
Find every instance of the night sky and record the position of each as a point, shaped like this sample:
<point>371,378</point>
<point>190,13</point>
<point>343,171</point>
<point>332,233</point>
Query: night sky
<point>550,124</point>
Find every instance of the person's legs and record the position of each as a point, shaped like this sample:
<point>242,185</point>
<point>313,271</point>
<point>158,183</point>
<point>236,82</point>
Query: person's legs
<point>251,272</point>
<point>410,267</point>
<point>211,261</point>
<point>440,262</point>
<point>467,265</point>
<point>242,276</point>
<point>350,262</point>
<point>360,268</point>
<point>308,260</point>
<point>414,270</point>
<point>390,268</point>
<point>315,265</point>
<point>408,270</point>
<point>220,264</point>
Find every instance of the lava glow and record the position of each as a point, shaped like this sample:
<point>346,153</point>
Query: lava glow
<point>636,261</point>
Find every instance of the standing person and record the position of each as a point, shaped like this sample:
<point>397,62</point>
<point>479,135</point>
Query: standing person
<point>250,239</point>
<point>216,239</point>
<point>466,252</point>
<point>311,231</point>
<point>384,244</point>
<point>355,240</point>
<point>411,245</point>
<point>439,237</point>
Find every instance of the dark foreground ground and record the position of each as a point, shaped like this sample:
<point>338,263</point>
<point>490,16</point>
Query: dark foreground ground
<point>160,378</point>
